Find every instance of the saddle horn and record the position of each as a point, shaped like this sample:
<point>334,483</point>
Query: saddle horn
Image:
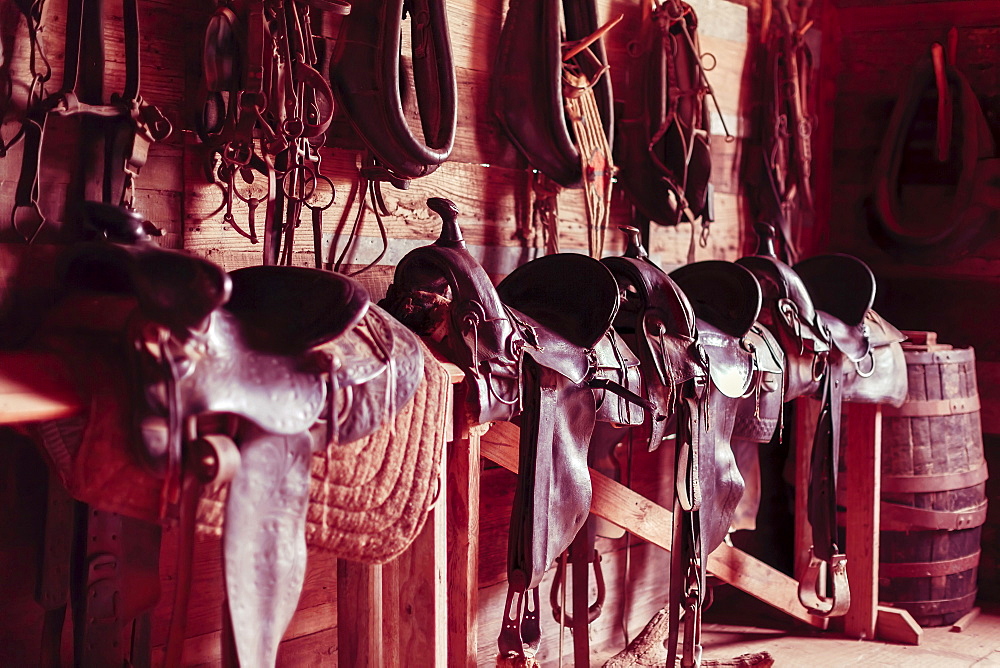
<point>451,233</point>
<point>765,239</point>
<point>633,242</point>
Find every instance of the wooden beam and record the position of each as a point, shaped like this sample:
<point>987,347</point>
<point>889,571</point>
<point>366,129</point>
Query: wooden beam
<point>651,521</point>
<point>35,386</point>
<point>897,625</point>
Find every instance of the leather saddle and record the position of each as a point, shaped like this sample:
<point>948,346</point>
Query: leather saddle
<point>367,79</point>
<point>842,288</point>
<point>936,195</point>
<point>539,350</point>
<point>242,376</point>
<point>528,83</point>
<point>837,349</point>
<point>663,144</point>
<point>689,368</point>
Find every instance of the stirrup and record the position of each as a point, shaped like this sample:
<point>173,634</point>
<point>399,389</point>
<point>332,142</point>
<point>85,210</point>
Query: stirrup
<point>559,582</point>
<point>839,601</point>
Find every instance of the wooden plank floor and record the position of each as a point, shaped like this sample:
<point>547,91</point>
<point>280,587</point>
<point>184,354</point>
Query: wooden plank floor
<point>736,624</point>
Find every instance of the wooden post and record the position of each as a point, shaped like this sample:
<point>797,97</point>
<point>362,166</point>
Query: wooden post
<point>863,460</point>
<point>463,537</point>
<point>415,599</point>
<point>359,615</point>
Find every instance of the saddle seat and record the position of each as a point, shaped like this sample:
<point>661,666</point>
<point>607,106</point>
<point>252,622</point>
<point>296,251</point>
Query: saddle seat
<point>726,299</point>
<point>575,298</point>
<point>842,288</point>
<point>573,295</point>
<point>288,310</point>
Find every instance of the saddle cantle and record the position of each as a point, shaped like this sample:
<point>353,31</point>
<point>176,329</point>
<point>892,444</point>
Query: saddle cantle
<point>366,76</point>
<point>788,313</point>
<point>726,300</point>
<point>658,322</point>
<point>442,291</point>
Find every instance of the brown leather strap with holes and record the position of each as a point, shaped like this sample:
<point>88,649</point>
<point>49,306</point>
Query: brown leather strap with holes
<point>934,407</point>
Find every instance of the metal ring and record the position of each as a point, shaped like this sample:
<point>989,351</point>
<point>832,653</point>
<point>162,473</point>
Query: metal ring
<point>333,193</point>
<point>239,195</point>
<point>305,169</point>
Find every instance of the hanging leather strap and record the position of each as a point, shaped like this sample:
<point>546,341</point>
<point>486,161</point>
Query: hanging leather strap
<point>822,508</point>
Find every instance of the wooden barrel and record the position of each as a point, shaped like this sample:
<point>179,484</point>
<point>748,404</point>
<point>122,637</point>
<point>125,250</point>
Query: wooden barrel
<point>933,488</point>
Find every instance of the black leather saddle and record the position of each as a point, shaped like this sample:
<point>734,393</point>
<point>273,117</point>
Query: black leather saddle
<point>293,359</point>
<point>538,349</point>
<point>836,349</point>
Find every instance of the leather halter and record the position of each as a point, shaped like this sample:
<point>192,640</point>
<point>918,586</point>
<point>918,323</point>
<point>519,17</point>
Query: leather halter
<point>126,125</point>
<point>779,169</point>
<point>365,73</point>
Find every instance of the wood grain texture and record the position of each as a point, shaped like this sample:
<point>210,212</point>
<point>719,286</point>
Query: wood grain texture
<point>863,460</point>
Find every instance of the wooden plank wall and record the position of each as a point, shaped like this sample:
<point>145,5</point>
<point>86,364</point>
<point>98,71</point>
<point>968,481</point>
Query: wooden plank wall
<point>868,54</point>
<point>486,177</point>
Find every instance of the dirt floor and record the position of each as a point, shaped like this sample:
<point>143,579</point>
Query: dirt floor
<point>738,624</point>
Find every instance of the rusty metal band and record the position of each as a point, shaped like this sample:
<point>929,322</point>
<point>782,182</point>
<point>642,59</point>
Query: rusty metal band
<point>942,482</point>
<point>895,517</point>
<point>929,569</point>
<point>934,407</point>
